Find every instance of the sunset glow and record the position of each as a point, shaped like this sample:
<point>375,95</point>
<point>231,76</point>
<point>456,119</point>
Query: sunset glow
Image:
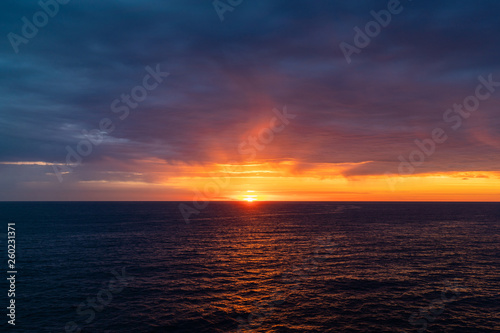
<point>179,122</point>
<point>271,180</point>
<point>287,180</point>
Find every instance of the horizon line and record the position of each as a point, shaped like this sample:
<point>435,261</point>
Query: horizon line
<point>257,201</point>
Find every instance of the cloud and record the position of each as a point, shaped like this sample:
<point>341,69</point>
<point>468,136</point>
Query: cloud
<point>227,77</point>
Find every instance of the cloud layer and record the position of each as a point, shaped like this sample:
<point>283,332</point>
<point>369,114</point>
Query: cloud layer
<point>226,78</point>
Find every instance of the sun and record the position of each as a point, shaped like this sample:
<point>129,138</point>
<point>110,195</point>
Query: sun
<point>250,197</point>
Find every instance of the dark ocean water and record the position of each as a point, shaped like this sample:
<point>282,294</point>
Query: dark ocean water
<point>261,267</point>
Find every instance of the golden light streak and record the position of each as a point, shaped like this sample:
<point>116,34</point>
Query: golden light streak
<point>290,180</point>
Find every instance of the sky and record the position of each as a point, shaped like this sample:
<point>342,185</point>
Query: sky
<point>196,100</point>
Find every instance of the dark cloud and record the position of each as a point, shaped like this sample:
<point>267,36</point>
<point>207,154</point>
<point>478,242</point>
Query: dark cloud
<point>226,77</point>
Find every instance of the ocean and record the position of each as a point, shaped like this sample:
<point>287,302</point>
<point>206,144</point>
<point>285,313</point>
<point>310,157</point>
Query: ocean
<point>253,267</point>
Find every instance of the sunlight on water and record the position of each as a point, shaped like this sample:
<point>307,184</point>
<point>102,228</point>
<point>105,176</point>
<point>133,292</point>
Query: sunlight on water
<point>261,266</point>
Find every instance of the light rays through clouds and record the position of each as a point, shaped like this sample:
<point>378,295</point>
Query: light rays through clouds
<point>225,77</point>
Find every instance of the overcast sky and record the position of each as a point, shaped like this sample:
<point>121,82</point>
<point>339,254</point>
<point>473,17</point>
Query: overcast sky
<point>225,78</point>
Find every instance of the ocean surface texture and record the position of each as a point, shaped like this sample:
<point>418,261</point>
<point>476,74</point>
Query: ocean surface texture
<point>254,267</point>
